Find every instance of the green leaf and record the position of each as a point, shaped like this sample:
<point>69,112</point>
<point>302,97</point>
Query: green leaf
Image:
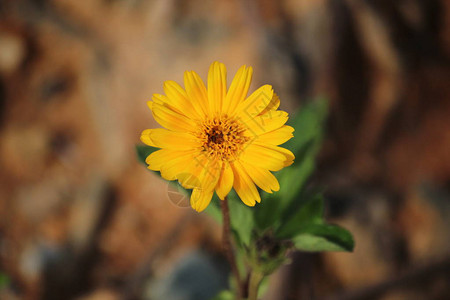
<point>4,280</point>
<point>308,124</point>
<point>214,210</point>
<point>309,212</point>
<point>242,220</point>
<point>267,213</point>
<point>293,180</point>
<point>142,151</point>
<point>323,237</point>
<point>224,295</point>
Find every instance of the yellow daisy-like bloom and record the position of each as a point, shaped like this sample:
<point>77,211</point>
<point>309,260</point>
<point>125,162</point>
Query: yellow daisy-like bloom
<point>218,139</point>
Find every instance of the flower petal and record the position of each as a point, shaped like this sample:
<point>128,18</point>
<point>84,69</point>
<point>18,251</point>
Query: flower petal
<point>171,119</point>
<point>190,177</point>
<point>273,105</point>
<point>196,91</point>
<point>208,178</point>
<point>202,172</point>
<point>200,199</point>
<point>276,137</point>
<point>255,103</point>
<point>178,98</point>
<point>225,182</point>
<point>272,150</point>
<point>171,169</point>
<point>163,138</point>
<point>159,157</point>
<point>217,86</point>
<point>165,101</point>
<point>145,138</point>
<point>244,186</point>
<point>262,177</point>
<point>289,156</point>
<point>272,158</point>
<point>150,104</point>
<point>210,175</point>
<point>265,123</point>
<point>238,89</point>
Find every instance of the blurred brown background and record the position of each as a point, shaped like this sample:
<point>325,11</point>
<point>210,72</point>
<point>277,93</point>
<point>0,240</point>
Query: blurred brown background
<point>81,219</point>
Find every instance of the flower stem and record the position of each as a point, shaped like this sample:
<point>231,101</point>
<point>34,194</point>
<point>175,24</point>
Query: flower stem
<point>227,247</point>
<point>255,280</point>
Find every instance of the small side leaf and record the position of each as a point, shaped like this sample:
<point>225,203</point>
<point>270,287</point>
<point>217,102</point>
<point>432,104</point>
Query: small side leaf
<point>322,237</point>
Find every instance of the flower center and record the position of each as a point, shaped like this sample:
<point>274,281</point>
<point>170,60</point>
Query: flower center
<point>215,135</point>
<point>222,138</point>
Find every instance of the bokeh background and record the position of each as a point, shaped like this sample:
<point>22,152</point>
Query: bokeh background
<point>80,218</point>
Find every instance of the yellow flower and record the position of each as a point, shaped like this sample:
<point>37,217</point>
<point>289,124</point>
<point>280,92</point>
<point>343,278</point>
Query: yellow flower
<point>217,139</point>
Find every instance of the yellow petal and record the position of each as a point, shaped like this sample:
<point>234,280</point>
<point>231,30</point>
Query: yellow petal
<point>150,104</point>
<point>225,182</point>
<point>262,177</point>
<point>276,137</point>
<point>179,99</point>
<point>200,199</point>
<point>170,169</point>
<point>189,178</point>
<point>160,99</point>
<point>165,101</point>
<point>159,157</point>
<point>238,89</point>
<point>244,186</point>
<point>273,159</point>
<point>196,91</point>
<point>255,103</point>
<point>273,105</point>
<point>145,138</point>
<point>265,123</point>
<point>210,175</point>
<point>217,86</point>
<point>272,150</point>
<point>201,172</point>
<point>172,120</point>
<point>163,138</point>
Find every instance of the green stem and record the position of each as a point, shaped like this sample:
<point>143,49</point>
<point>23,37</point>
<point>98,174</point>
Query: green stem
<point>226,239</point>
<point>253,286</point>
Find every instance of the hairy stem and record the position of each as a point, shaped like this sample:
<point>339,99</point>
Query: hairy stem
<point>226,239</point>
<point>255,280</point>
